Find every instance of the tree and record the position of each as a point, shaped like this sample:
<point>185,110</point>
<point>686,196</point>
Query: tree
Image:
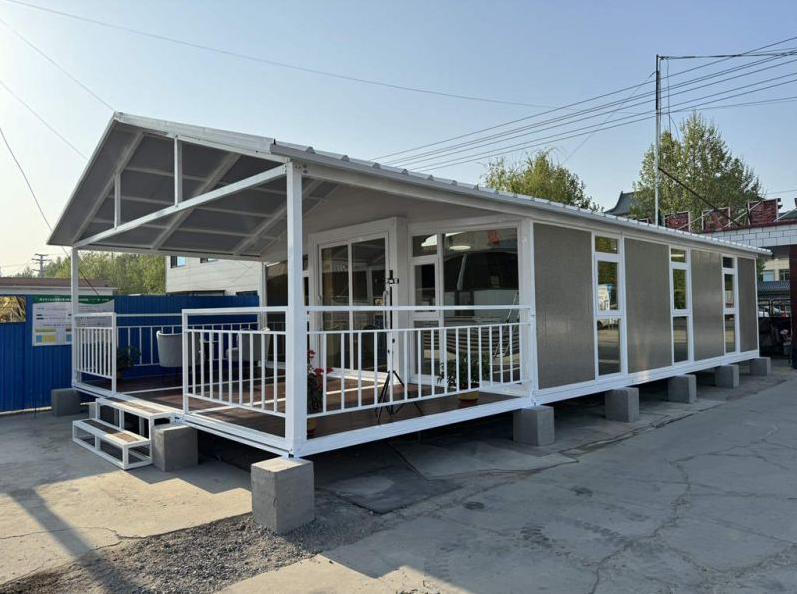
<point>541,177</point>
<point>129,273</point>
<point>700,159</point>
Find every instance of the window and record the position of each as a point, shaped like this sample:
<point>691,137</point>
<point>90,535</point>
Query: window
<point>177,261</point>
<point>608,314</point>
<point>768,275</point>
<point>12,310</point>
<point>680,302</point>
<point>206,260</point>
<point>783,274</point>
<point>731,308</point>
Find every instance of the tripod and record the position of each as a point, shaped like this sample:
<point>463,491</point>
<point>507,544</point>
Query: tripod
<point>392,409</point>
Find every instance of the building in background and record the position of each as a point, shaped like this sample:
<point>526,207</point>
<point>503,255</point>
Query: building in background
<point>210,276</point>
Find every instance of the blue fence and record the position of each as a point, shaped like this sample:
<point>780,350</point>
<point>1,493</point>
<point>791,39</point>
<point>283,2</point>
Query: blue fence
<point>28,373</point>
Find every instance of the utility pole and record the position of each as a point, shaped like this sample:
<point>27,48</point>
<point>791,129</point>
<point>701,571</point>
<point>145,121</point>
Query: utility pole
<point>42,259</point>
<point>657,178</point>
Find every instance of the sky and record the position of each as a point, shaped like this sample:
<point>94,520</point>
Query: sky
<point>540,53</point>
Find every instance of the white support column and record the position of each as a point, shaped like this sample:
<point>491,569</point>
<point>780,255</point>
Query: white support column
<point>261,294</point>
<point>74,282</point>
<point>295,319</point>
<point>178,171</point>
<point>117,199</point>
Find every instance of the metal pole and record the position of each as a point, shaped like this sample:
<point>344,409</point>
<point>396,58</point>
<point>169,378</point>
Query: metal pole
<point>657,181</point>
<point>74,286</point>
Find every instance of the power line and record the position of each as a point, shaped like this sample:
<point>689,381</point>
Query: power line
<point>275,63</point>
<point>568,119</point>
<point>581,102</point>
<point>56,64</point>
<point>627,119</point>
<point>41,119</point>
<point>36,200</point>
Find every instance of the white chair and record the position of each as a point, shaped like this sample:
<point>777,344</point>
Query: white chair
<point>170,349</point>
<point>251,350</point>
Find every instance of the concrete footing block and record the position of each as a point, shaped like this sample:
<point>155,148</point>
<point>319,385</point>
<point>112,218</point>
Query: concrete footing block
<point>534,426</point>
<point>283,493</point>
<point>682,388</point>
<point>760,366</point>
<point>65,402</point>
<point>174,447</point>
<point>726,376</point>
<point>622,405</point>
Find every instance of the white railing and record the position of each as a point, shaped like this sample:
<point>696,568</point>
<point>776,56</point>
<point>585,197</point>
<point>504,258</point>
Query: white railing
<point>369,367</point>
<point>94,346</point>
<point>477,348</point>
<point>235,364</point>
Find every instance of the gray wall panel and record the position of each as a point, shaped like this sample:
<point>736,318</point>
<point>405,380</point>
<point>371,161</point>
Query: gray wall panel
<point>707,305</point>
<point>563,289</point>
<point>648,315</point>
<point>748,304</point>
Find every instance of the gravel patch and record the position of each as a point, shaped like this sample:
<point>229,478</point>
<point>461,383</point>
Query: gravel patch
<point>205,558</point>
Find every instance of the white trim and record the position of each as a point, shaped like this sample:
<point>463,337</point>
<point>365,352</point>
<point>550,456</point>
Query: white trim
<point>194,202</point>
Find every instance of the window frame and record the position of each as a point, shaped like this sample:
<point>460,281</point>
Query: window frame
<point>620,312</point>
<point>681,312</point>
<point>727,311</point>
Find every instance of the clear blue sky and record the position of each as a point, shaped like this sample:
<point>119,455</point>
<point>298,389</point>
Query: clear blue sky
<point>548,53</point>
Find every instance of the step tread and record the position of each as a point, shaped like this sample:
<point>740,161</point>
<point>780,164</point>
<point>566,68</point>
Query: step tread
<point>108,431</point>
<point>138,408</point>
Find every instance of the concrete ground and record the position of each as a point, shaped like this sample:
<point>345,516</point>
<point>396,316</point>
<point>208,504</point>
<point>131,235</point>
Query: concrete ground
<point>691,498</point>
<point>706,504</point>
<point>59,501</point>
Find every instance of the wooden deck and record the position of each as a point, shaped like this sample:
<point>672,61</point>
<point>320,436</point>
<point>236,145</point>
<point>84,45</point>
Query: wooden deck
<point>166,391</point>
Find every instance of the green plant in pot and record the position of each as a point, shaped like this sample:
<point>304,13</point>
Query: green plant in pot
<point>465,368</point>
<point>125,359</point>
<point>315,391</point>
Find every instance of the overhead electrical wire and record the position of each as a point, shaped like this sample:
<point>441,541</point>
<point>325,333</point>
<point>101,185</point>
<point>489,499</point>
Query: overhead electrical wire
<point>581,102</point>
<point>447,153</point>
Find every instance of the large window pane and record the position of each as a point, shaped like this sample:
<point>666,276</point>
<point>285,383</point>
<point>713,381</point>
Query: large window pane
<point>680,337</point>
<point>607,286</point>
<point>679,288</point>
<point>425,284</point>
<point>608,346</point>
<point>730,333</point>
<point>480,268</point>
<point>368,288</point>
<point>729,299</point>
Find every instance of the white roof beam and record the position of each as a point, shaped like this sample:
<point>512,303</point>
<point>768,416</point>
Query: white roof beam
<point>208,184</point>
<point>199,178</point>
<point>187,205</point>
<point>124,159</point>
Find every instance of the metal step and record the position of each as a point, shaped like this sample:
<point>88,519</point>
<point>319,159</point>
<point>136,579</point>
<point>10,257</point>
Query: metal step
<point>123,448</point>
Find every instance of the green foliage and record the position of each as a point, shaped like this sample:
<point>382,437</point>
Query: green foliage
<point>541,177</point>
<point>701,159</point>
<point>460,367</point>
<point>129,273</point>
<point>126,357</point>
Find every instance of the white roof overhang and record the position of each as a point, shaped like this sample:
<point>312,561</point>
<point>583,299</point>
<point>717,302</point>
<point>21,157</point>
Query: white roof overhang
<point>234,193</point>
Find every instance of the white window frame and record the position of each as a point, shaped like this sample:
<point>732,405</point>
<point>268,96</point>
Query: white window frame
<point>620,312</point>
<point>682,313</point>
<point>734,311</point>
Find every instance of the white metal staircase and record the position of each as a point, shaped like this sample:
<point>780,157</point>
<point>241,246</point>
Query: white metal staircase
<point>120,430</point>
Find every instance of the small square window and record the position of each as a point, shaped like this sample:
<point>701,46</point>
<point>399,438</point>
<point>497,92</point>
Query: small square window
<point>783,275</point>
<point>727,262</point>
<point>606,245</point>
<point>205,260</point>
<point>176,261</point>
<point>424,245</point>
<point>677,255</point>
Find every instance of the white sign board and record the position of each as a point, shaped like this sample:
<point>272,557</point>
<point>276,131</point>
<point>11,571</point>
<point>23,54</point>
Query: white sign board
<point>52,316</point>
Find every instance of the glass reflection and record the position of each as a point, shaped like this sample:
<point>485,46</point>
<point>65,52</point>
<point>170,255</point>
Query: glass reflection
<point>607,286</point>
<point>608,346</point>
<point>679,289</point>
<point>680,339</point>
<point>730,333</point>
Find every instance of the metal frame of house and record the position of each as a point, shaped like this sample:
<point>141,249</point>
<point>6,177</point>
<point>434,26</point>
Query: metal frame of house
<point>673,303</point>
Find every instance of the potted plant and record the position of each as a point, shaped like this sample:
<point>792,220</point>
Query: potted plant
<point>315,391</point>
<point>125,359</point>
<point>465,369</point>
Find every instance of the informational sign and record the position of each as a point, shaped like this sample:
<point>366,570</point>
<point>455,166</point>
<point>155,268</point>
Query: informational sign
<point>52,316</point>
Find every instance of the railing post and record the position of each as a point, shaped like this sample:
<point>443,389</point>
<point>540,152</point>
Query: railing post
<point>295,319</point>
<point>184,328</point>
<point>112,347</point>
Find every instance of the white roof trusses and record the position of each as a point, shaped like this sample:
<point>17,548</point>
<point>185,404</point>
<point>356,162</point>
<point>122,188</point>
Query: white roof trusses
<point>228,197</point>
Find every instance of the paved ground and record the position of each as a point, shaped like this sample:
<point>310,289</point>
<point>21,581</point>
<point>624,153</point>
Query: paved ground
<point>707,504</point>
<point>704,504</point>
<point>59,501</point>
